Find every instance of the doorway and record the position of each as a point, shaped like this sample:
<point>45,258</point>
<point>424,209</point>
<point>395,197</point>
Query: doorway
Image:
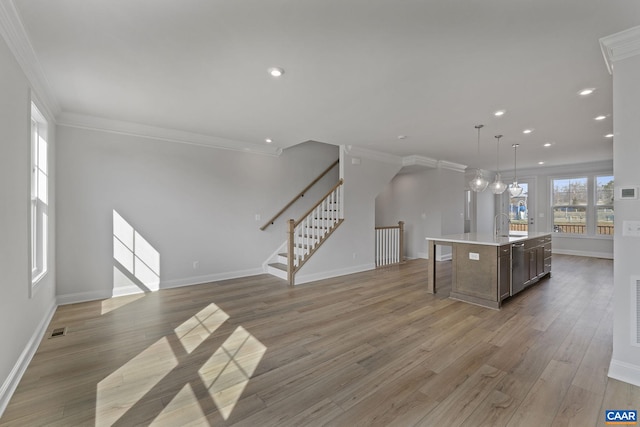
<point>520,209</point>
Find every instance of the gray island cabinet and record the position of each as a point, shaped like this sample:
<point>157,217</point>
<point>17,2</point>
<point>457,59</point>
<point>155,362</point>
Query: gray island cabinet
<point>487,269</point>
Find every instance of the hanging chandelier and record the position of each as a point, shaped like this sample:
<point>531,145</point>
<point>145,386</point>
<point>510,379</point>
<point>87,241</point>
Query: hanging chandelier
<point>514,189</point>
<point>497,186</point>
<point>478,183</point>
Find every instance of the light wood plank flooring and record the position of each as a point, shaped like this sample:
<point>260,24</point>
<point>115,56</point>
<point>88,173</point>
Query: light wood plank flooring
<point>367,349</point>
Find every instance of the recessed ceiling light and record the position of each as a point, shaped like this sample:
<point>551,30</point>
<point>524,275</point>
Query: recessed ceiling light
<point>527,131</point>
<point>541,163</point>
<point>275,71</point>
<point>268,140</point>
<point>402,136</point>
<point>547,144</point>
<point>499,113</point>
<point>609,135</point>
<point>587,91</point>
<point>600,118</point>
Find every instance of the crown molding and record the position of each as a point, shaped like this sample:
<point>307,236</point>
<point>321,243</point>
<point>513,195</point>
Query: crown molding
<point>15,35</point>
<point>429,163</point>
<point>457,167</point>
<point>416,160</point>
<point>365,153</point>
<point>622,45</point>
<point>413,160</point>
<point>81,121</point>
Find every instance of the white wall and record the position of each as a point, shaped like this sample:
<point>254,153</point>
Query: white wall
<point>190,203</point>
<point>625,363</point>
<point>23,317</point>
<point>351,247</point>
<point>429,201</point>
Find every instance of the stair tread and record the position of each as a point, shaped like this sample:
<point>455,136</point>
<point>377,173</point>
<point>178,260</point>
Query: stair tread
<point>279,266</point>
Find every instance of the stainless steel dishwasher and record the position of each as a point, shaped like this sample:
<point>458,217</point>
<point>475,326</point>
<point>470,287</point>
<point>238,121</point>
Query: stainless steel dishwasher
<point>517,268</point>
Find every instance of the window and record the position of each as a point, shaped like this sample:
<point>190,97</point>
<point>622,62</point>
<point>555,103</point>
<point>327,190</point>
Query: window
<point>583,205</point>
<point>39,195</point>
<point>604,205</point>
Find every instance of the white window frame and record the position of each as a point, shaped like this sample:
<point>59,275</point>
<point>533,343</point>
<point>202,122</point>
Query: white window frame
<point>591,208</point>
<point>39,201</point>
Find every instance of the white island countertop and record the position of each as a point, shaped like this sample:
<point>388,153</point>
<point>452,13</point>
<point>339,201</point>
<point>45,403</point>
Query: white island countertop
<point>486,238</point>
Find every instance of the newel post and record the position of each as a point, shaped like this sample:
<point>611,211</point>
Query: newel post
<point>290,251</point>
<point>401,226</point>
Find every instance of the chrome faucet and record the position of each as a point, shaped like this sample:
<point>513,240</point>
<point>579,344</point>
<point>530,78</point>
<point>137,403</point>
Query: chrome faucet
<point>495,223</point>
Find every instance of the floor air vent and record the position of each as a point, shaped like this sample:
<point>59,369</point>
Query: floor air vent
<point>58,332</point>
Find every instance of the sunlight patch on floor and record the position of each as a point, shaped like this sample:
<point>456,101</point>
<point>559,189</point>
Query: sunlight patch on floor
<point>200,326</point>
<point>112,304</point>
<point>118,392</point>
<point>184,409</point>
<point>227,372</point>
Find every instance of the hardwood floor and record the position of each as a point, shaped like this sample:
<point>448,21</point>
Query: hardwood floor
<point>367,349</point>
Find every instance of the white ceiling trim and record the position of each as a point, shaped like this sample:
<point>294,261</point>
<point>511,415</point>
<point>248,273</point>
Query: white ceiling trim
<point>624,44</point>
<point>416,160</point>
<point>162,134</point>
<point>365,153</point>
<point>15,35</point>
<point>428,162</point>
<point>443,164</point>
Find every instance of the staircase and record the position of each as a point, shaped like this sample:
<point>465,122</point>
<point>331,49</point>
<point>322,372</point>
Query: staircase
<point>307,234</point>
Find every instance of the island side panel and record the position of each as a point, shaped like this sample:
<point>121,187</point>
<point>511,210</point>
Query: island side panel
<point>431,267</point>
<point>476,279</point>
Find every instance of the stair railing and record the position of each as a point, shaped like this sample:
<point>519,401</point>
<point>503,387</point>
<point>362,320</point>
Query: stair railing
<point>312,229</point>
<point>390,245</point>
<point>299,195</point>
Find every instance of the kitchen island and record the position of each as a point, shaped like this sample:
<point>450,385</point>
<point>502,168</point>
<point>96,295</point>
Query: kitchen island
<point>487,269</point>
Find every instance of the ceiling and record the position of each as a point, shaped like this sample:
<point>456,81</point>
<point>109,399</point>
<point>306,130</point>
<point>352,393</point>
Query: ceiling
<point>357,72</point>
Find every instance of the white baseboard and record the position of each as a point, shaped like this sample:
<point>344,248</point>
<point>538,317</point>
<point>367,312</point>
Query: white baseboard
<point>11,382</point>
<point>197,280</point>
<point>605,255</point>
<point>625,372</point>
<point>306,278</point>
<point>84,296</point>
<point>131,290</point>
<point>423,255</point>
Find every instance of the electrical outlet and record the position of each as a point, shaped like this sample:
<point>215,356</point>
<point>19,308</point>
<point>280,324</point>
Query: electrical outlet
<point>474,256</point>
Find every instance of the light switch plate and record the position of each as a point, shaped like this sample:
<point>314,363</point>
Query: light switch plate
<point>631,228</point>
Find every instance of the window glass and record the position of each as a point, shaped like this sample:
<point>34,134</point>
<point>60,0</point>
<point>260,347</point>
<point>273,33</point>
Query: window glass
<point>519,210</point>
<point>39,195</point>
<point>583,205</point>
<point>604,205</point>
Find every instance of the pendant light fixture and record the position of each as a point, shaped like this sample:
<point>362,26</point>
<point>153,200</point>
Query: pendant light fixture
<point>514,188</point>
<point>497,186</point>
<point>478,184</point>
